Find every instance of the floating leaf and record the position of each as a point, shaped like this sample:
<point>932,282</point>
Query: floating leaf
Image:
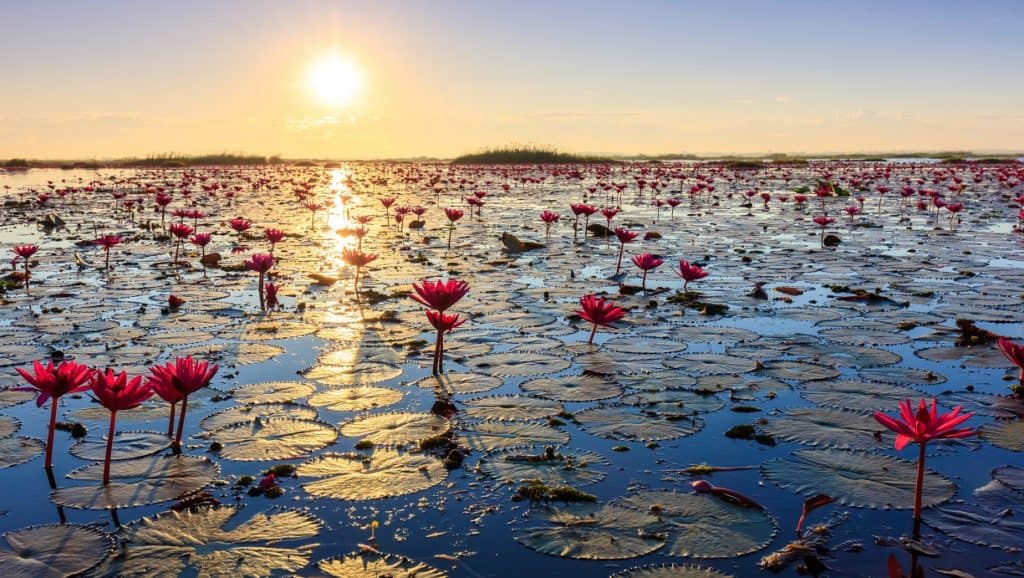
<point>137,482</point>
<point>172,542</point>
<point>856,479</point>
<point>979,525</point>
<point>356,398</point>
<point>674,402</point>
<point>633,424</point>
<point>569,468</point>
<point>460,383</point>
<point>671,571</point>
<point>515,364</point>
<point>490,436</point>
<point>511,408</point>
<point>56,551</point>
<point>18,450</point>
<point>386,473</point>
<point>902,376</point>
<point>1007,435</point>
<point>265,330</point>
<point>273,439</point>
<point>396,428</point>
<point>589,387</point>
<point>9,397</point>
<point>705,526</point>
<point>1011,477</point>
<point>364,373</point>
<point>860,396</point>
<point>987,404</point>
<point>377,565</point>
<point>8,426</point>
<point>250,413</point>
<point>799,371</point>
<point>711,364</point>
<point>644,346</point>
<point>127,445</point>
<point>594,532</point>
<point>829,428</point>
<point>272,392</point>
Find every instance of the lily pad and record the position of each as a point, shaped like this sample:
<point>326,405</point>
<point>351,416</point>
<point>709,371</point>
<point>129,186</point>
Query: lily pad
<point>385,473</point>
<point>250,413</point>
<point>588,387</point>
<point>272,392</point>
<point>197,539</point>
<point>273,439</point>
<point>396,428</point>
<point>490,436</point>
<point>705,526</point>
<point>799,371</point>
<point>516,364</point>
<point>569,468</point>
<point>55,551</point>
<point>829,428</point>
<point>356,398</point>
<point>511,408</point>
<point>127,445</point>
<point>856,479</point>
<point>860,396</point>
<point>711,364</point>
<point>633,424</point>
<point>594,532</point>
<point>377,565</point>
<point>460,383</point>
<point>1007,435</point>
<point>137,482</point>
<point>18,450</point>
<point>671,571</point>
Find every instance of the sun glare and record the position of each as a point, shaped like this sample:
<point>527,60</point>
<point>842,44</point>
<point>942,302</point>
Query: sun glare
<point>334,80</point>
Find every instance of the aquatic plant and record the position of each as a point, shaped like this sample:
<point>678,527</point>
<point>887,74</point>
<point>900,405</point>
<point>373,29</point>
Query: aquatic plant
<point>116,392</point>
<point>52,383</point>
<point>261,263</point>
<point>600,312</point>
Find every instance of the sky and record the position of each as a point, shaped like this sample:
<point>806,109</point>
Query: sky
<point>105,79</point>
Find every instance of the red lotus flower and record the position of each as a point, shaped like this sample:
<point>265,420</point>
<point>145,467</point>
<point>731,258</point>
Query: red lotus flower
<point>921,427</point>
<point>387,201</point>
<point>646,262</point>
<point>690,272</point>
<point>444,322</point>
<point>358,259</point>
<point>260,262</point>
<point>25,251</point>
<point>52,384</point>
<point>181,230</point>
<point>550,217</point>
<point>439,295</point>
<point>274,235</point>
<point>582,209</point>
<point>186,376</point>
<point>116,392</point>
<point>823,220</point>
<point>201,239</point>
<point>1014,353</point>
<point>240,225</point>
<point>108,241</point>
<point>625,235</point>
<point>174,302</point>
<point>925,425</point>
<point>600,312</point>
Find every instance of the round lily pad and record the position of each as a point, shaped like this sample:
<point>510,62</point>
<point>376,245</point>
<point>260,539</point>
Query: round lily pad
<point>137,482</point>
<point>250,413</point>
<point>799,371</point>
<point>860,396</point>
<point>634,424</point>
<point>377,565</point>
<point>1007,435</point>
<point>273,439</point>
<point>16,450</point>
<point>705,526</point>
<point>587,387</point>
<point>460,383</point>
<point>356,398</point>
<point>594,532</point>
<point>396,428</point>
<point>710,364</point>
<point>644,346</point>
<point>674,402</point>
<point>518,364</point>
<point>856,479</point>
<point>511,408</point>
<point>829,428</point>
<point>569,468</point>
<point>127,445</point>
<point>490,436</point>
<point>55,551</point>
<point>671,571</point>
<point>272,392</point>
<point>385,473</point>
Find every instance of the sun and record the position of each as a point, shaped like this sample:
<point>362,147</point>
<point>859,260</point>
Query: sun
<point>334,80</point>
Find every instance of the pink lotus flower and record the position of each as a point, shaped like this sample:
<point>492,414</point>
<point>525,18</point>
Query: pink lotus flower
<point>823,221</point>
<point>240,225</point>
<point>261,263</point>
<point>116,393</point>
<point>689,272</point>
<point>549,218</point>
<point>26,252</point>
<point>52,384</point>
<point>358,259</point>
<point>920,427</point>
<point>439,295</point>
<point>585,210</point>
<point>184,375</point>
<point>1014,353</point>
<point>646,262</point>
<point>600,312</point>
<point>453,216</point>
<point>275,236</point>
<point>624,236</point>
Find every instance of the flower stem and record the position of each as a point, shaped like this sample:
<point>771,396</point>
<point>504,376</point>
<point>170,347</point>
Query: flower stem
<point>181,425</point>
<point>592,332</point>
<point>918,491</point>
<point>262,301</point>
<point>49,436</point>
<point>110,447</point>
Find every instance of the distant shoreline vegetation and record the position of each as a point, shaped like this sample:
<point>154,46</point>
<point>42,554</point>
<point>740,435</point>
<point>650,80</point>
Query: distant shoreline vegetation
<point>514,155</point>
<point>527,156</point>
